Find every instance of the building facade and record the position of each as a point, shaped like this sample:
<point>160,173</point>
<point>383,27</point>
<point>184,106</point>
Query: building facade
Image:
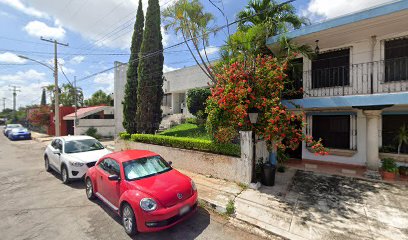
<point>355,91</point>
<point>175,87</point>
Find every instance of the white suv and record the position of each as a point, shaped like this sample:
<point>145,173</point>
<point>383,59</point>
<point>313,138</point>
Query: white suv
<point>71,156</point>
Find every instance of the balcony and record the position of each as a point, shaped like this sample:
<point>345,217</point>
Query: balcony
<point>386,76</point>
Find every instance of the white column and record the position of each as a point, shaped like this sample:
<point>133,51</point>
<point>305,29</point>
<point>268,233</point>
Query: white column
<point>244,167</point>
<point>373,160</point>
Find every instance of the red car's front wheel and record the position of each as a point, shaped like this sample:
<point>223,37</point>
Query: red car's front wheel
<point>89,189</point>
<point>128,220</point>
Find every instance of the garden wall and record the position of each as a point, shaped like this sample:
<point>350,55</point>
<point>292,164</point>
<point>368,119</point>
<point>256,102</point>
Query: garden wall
<point>219,166</point>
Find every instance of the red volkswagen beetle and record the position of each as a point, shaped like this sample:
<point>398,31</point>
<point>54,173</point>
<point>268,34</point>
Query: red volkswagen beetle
<point>143,189</point>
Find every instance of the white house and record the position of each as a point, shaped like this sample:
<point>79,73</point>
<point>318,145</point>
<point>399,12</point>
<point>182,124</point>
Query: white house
<point>99,117</point>
<point>175,87</point>
<point>355,92</point>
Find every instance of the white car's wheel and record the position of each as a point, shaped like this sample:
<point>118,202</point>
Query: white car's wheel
<point>64,175</point>
<point>128,220</point>
<point>47,164</point>
<point>89,189</point>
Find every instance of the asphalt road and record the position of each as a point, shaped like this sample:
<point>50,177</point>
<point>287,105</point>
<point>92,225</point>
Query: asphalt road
<point>36,205</point>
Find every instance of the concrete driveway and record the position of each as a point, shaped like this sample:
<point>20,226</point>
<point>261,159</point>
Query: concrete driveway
<point>36,205</point>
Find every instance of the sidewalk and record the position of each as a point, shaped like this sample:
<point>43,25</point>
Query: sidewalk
<point>307,205</point>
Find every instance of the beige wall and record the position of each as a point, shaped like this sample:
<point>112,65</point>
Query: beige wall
<point>105,127</point>
<point>219,166</point>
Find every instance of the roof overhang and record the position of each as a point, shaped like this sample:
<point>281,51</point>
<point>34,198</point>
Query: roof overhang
<point>381,20</point>
<point>84,112</point>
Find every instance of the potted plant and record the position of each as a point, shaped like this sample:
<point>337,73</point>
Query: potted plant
<point>389,168</point>
<point>403,171</point>
<point>402,137</point>
<point>282,158</point>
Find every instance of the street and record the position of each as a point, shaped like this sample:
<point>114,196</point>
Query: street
<point>36,205</point>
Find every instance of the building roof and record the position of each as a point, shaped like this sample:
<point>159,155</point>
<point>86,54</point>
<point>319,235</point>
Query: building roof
<point>378,11</point>
<point>83,112</point>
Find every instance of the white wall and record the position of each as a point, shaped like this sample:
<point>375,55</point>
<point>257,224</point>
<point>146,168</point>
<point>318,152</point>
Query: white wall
<point>105,127</point>
<point>119,94</point>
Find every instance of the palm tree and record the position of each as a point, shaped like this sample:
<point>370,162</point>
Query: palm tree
<point>188,18</point>
<point>277,18</point>
<point>402,136</point>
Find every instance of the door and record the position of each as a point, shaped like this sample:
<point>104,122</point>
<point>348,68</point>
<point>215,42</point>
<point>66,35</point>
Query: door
<point>70,127</point>
<point>53,157</point>
<point>110,190</point>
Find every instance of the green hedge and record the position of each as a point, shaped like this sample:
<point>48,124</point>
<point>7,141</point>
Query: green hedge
<point>185,143</point>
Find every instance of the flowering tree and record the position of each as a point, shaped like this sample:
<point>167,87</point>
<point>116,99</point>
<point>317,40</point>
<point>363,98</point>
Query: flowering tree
<point>242,87</point>
<point>40,116</point>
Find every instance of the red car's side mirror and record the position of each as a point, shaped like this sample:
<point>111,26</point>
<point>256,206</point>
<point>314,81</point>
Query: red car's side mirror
<point>114,177</point>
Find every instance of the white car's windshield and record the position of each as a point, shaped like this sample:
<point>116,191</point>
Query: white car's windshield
<point>145,167</point>
<point>14,126</point>
<point>83,145</point>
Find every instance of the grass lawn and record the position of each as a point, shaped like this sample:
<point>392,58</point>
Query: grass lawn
<point>187,130</point>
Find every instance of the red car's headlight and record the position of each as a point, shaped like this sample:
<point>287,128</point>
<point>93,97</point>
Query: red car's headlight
<point>148,204</point>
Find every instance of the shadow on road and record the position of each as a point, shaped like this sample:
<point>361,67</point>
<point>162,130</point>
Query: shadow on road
<point>190,228</point>
<point>76,184</point>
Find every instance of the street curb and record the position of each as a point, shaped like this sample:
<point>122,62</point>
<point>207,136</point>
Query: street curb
<point>208,203</point>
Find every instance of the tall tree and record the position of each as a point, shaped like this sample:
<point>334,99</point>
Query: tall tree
<point>67,96</point>
<point>130,100</point>
<point>189,18</point>
<point>150,73</point>
<point>43,98</point>
<point>99,98</point>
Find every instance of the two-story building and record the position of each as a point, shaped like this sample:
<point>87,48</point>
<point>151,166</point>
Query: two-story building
<point>175,87</point>
<point>355,91</point>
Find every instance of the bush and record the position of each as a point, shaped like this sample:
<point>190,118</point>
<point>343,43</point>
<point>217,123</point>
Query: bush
<point>196,99</point>
<point>124,135</point>
<point>389,165</point>
<point>186,143</point>
<point>191,120</point>
<point>93,132</point>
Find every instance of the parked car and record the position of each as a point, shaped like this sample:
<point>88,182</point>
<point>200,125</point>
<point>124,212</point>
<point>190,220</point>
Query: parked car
<point>143,189</point>
<point>8,128</point>
<point>19,134</point>
<point>71,156</point>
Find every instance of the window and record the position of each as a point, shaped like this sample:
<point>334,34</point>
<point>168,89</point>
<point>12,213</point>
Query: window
<point>331,69</point>
<point>84,145</point>
<point>145,167</point>
<point>334,130</point>
<point>166,100</point>
<point>295,83</point>
<point>391,125</point>
<point>110,166</point>
<point>396,60</point>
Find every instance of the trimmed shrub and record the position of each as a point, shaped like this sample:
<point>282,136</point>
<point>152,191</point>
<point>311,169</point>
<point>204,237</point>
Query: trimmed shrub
<point>185,143</point>
<point>93,132</point>
<point>196,99</point>
<point>191,120</point>
<point>124,135</point>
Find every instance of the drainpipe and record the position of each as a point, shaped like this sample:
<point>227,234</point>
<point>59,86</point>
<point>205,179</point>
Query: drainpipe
<point>373,42</point>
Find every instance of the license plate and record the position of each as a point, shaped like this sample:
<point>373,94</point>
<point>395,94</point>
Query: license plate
<point>184,210</point>
<point>21,136</point>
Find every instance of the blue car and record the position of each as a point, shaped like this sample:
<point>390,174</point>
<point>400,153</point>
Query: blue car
<point>9,127</point>
<point>19,133</point>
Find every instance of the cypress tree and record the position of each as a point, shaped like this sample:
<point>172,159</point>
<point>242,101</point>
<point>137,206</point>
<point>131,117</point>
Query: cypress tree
<point>130,99</point>
<point>150,73</point>
<point>43,98</point>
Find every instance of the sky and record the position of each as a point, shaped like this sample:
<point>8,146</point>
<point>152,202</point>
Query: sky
<point>99,33</point>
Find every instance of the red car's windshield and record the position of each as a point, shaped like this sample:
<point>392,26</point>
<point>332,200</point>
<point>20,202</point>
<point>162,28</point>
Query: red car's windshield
<point>145,167</point>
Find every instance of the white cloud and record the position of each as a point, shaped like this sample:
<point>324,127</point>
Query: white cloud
<point>30,94</point>
<point>168,68</point>
<point>102,23</point>
<point>18,5</point>
<point>9,57</point>
<point>40,29</point>
<point>21,77</point>
<point>105,79</point>
<point>210,50</point>
<point>77,59</point>
<point>331,9</point>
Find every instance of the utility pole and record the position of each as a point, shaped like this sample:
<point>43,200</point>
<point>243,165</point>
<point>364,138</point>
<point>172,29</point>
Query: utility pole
<point>56,91</point>
<point>4,103</point>
<point>76,103</point>
<point>15,89</point>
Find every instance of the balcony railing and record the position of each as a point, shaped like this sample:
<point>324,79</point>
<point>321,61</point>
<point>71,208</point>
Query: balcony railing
<point>385,76</point>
